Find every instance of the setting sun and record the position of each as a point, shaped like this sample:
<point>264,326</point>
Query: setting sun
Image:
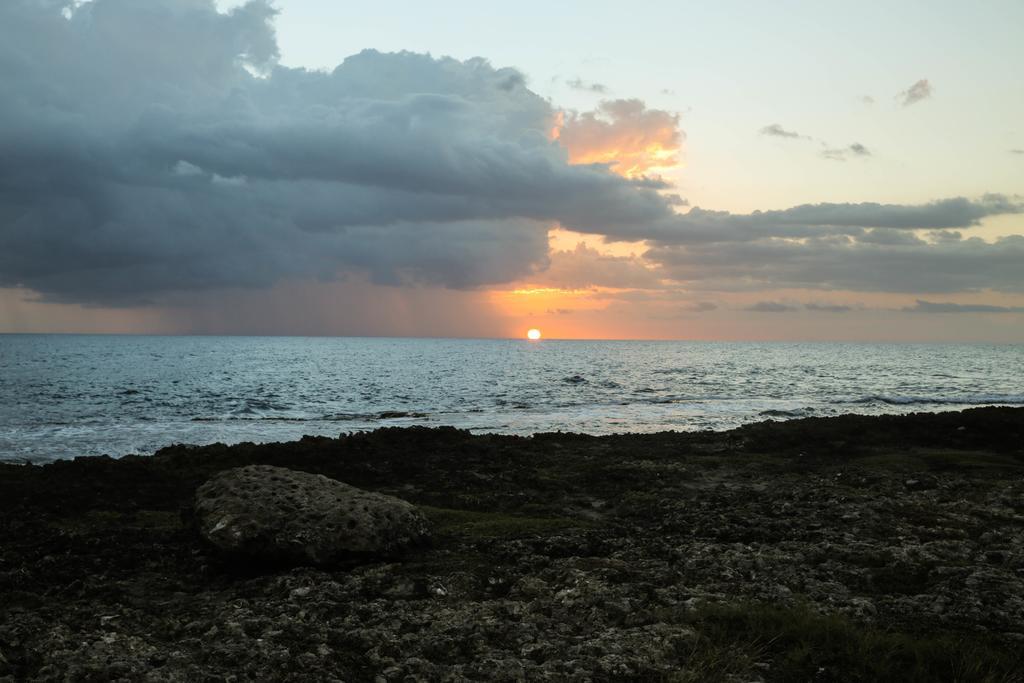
<point>533,334</point>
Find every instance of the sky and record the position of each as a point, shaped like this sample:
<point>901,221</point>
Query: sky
<point>666,170</point>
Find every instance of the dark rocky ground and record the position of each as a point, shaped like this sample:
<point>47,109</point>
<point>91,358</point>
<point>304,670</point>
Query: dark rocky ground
<point>839,549</point>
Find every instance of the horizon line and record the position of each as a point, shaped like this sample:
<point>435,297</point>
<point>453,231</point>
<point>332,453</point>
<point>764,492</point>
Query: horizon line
<point>522,338</point>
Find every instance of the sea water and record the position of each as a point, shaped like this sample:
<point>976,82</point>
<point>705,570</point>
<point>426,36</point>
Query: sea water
<point>67,395</point>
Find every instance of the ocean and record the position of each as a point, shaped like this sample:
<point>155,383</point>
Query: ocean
<point>63,396</point>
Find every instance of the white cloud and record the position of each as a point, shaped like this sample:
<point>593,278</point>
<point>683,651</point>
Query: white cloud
<point>624,134</point>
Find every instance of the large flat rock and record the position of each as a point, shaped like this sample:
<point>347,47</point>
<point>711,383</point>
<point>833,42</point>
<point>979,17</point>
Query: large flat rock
<point>277,515</point>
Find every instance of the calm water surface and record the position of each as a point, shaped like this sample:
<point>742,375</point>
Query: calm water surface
<point>63,396</point>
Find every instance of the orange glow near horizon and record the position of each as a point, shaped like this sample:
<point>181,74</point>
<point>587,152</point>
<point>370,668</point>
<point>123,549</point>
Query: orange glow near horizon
<point>556,311</point>
<point>533,334</point>
<point>587,312</point>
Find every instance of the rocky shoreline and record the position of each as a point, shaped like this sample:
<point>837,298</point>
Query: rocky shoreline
<point>831,549</point>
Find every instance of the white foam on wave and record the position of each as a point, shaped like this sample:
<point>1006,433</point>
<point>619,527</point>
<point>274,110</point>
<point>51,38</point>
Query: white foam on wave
<point>973,400</point>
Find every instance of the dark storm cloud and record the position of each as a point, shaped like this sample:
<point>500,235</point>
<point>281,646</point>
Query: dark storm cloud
<point>945,235</point>
<point>945,307</point>
<point>150,147</point>
<point>890,236</point>
<point>921,90</point>
<point>844,263</point>
<point>817,220</point>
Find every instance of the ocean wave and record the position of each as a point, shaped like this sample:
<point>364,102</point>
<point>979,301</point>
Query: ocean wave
<point>975,400</point>
<point>258,418</point>
<point>797,412</point>
<point>394,414</point>
<point>334,417</point>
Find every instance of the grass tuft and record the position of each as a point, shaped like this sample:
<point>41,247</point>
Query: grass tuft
<point>802,644</point>
<point>494,524</point>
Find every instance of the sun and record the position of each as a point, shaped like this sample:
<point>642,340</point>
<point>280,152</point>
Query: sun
<point>533,335</point>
